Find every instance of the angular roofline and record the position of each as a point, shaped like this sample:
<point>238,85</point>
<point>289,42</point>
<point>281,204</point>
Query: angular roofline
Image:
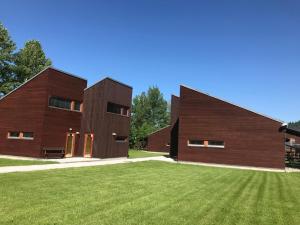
<point>159,130</point>
<point>250,110</point>
<point>27,81</point>
<point>108,78</point>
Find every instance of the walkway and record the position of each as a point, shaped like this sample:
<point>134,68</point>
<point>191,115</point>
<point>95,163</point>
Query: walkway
<point>76,162</point>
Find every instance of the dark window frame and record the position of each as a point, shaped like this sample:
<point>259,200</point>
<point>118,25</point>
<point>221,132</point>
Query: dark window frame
<point>117,109</point>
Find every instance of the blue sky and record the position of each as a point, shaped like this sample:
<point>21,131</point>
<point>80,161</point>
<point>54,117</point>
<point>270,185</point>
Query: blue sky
<point>247,52</point>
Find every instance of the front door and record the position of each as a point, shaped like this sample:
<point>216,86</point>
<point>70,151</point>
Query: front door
<point>88,145</point>
<point>70,144</point>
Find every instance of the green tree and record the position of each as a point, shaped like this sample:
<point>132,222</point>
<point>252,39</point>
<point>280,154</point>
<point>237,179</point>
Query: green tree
<point>30,60</point>
<point>149,113</point>
<point>7,48</point>
<point>294,125</point>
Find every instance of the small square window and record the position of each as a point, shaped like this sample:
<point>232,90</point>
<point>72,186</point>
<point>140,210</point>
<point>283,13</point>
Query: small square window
<point>77,105</point>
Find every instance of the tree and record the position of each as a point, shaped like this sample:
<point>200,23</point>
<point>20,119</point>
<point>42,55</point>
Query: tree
<point>149,113</point>
<point>294,125</point>
<point>7,48</point>
<point>30,60</point>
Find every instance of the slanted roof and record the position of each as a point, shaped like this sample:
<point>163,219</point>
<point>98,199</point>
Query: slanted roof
<point>260,114</point>
<point>289,131</point>
<point>159,130</point>
<point>49,67</point>
<point>111,79</point>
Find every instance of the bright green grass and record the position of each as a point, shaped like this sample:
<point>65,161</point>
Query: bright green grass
<point>15,162</point>
<point>133,153</point>
<point>150,193</point>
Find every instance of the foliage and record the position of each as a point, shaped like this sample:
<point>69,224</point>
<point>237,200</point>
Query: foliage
<point>17,67</point>
<point>294,125</point>
<point>149,113</point>
<point>7,57</point>
<point>135,153</point>
<point>150,193</point>
<point>30,60</point>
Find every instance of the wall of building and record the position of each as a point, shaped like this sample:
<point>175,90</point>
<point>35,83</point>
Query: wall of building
<point>26,110</point>
<point>58,122</point>
<point>103,124</point>
<point>250,139</point>
<point>159,141</point>
<point>23,110</point>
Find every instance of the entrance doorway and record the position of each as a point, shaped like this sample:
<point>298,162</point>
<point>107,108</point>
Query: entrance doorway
<point>70,143</point>
<point>88,145</point>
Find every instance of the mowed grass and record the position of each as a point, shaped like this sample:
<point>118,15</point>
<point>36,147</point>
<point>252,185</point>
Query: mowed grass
<point>150,193</point>
<point>133,153</point>
<point>15,162</point>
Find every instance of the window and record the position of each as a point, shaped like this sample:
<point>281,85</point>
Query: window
<point>209,144</point>
<point>14,134</point>
<point>28,135</point>
<point>117,109</point>
<point>216,144</point>
<point>20,135</point>
<point>121,139</point>
<point>196,143</point>
<point>60,103</point>
<point>77,106</point>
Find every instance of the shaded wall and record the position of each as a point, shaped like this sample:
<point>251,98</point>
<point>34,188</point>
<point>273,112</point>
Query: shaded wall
<point>159,141</point>
<point>250,139</point>
<point>102,124</point>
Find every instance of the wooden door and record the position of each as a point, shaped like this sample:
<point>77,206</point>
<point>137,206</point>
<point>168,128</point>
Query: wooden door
<point>70,143</point>
<point>88,145</point>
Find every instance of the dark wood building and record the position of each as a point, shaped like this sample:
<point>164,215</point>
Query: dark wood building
<point>159,141</point>
<point>212,130</point>
<point>41,113</point>
<point>46,115</point>
<point>106,120</point>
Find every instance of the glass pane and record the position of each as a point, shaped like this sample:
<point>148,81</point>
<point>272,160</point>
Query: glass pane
<point>14,134</point>
<point>77,106</point>
<point>28,134</point>
<point>196,142</point>
<point>88,144</point>
<point>69,144</point>
<point>217,143</point>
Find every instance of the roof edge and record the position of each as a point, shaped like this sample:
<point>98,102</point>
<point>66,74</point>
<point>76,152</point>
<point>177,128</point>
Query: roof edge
<point>159,130</point>
<point>220,99</point>
<point>108,78</point>
<point>27,81</point>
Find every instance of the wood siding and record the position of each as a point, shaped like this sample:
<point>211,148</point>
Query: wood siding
<point>58,122</point>
<point>159,141</point>
<point>250,139</point>
<point>102,124</point>
<point>26,110</point>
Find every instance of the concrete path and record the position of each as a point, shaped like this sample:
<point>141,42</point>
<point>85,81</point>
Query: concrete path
<point>11,169</point>
<point>76,162</point>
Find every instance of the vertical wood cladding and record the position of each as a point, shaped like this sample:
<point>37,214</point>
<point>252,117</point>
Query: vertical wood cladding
<point>103,124</point>
<point>58,121</point>
<point>26,109</point>
<point>250,139</point>
<point>159,141</point>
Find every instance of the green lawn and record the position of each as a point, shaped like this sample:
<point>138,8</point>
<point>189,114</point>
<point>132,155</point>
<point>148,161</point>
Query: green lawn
<point>133,153</point>
<point>14,162</point>
<point>150,193</point>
